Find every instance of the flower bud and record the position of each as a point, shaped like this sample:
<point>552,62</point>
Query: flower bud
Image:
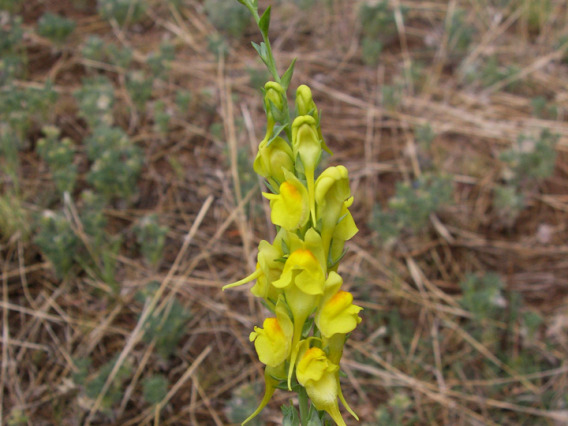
<point>274,102</point>
<point>273,158</point>
<point>271,269</point>
<point>305,105</point>
<point>331,191</point>
<point>306,145</point>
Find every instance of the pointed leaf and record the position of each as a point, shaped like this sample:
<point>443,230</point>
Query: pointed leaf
<point>258,48</point>
<point>288,75</point>
<point>264,22</point>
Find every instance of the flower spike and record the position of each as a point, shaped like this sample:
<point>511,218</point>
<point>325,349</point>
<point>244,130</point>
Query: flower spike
<point>301,344</point>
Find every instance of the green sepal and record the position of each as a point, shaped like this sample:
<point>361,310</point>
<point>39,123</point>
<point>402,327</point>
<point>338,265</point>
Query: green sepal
<point>331,263</point>
<point>276,132</point>
<point>270,187</point>
<point>285,248</point>
<point>307,327</point>
<point>268,306</point>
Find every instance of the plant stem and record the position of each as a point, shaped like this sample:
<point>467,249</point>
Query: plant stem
<point>304,406</point>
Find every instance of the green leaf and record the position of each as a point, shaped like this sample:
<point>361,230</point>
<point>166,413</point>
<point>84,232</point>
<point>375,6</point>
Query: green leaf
<point>261,50</point>
<point>290,416</point>
<point>155,388</point>
<point>257,48</point>
<point>288,75</point>
<point>264,22</point>
<point>314,419</point>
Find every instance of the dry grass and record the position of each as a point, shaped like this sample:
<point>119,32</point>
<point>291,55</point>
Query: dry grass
<point>47,323</point>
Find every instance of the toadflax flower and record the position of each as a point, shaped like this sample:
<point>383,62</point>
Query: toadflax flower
<point>331,192</point>
<point>273,344</point>
<point>306,146</point>
<point>317,374</point>
<point>273,159</point>
<point>289,208</point>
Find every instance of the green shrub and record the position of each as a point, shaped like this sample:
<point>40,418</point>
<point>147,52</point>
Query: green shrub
<point>541,108</point>
<point>227,16</point>
<point>483,296</point>
<point>371,50</point>
<point>14,217</point>
<point>151,237</point>
<point>167,328</point>
<point>531,157</point>
<point>20,107</point>
<point>155,388</point>
<point>242,403</point>
<point>410,208</point>
<point>57,241</point>
<point>12,55</point>
<point>96,101</point>
<point>183,101</point>
<point>139,87</point>
<point>119,56</point>
<point>122,10</point>
<point>10,6</point>
<point>217,45</point>
<point>93,384</point>
<point>160,61</point>
<point>55,27</point>
<point>116,162</point>
<point>59,155</point>
<point>460,33</point>
<point>378,26</point>
<point>509,202</point>
<point>161,118</point>
<point>94,48</point>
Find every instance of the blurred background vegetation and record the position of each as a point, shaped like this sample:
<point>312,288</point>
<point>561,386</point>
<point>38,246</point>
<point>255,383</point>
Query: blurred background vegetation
<point>127,133</point>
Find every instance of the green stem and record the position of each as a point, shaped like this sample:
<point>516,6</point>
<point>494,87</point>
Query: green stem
<point>271,65</point>
<point>304,406</point>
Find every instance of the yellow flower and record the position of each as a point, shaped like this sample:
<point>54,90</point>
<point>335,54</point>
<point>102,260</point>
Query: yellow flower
<point>273,158</point>
<point>289,209</point>
<point>344,230</point>
<point>317,374</point>
<point>338,315</point>
<point>331,192</point>
<point>306,145</point>
<point>303,282</point>
<point>267,270</point>
<point>302,269</point>
<point>273,343</point>
<point>305,105</point>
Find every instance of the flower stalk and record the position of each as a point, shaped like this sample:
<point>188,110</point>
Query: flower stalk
<point>302,344</point>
